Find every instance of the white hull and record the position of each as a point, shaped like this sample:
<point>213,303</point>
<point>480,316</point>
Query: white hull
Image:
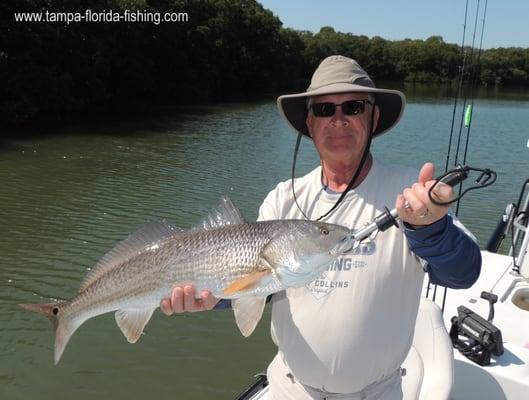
<point>507,377</point>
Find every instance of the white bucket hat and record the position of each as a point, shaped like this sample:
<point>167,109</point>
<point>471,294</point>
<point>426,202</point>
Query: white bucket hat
<point>339,74</point>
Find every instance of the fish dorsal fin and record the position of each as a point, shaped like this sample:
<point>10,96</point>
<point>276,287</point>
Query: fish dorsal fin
<point>132,321</point>
<point>225,214</point>
<point>245,283</point>
<point>149,235</point>
<point>248,312</point>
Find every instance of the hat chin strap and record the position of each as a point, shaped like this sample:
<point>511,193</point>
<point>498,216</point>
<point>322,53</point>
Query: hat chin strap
<point>351,182</point>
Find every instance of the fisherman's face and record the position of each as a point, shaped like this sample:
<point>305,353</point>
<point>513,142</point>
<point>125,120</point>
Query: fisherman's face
<point>341,137</point>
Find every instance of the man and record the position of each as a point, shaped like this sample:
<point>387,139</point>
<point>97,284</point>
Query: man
<point>346,334</point>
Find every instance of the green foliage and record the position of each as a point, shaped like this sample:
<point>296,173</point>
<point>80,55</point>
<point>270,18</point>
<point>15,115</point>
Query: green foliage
<point>505,66</point>
<point>225,49</point>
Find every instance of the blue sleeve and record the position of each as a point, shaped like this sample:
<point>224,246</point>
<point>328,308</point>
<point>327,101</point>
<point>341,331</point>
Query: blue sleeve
<point>453,258</point>
<point>223,304</point>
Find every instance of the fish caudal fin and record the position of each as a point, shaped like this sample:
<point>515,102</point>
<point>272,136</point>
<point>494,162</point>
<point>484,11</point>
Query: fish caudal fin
<point>248,312</point>
<point>132,321</point>
<point>63,330</point>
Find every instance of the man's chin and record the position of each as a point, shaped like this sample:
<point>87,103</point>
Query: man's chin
<point>338,152</point>
<point>341,143</point>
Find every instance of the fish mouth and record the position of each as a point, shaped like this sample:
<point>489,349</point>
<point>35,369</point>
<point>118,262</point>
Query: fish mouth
<point>345,245</point>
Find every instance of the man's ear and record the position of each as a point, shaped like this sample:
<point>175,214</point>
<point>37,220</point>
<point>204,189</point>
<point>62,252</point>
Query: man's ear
<point>308,122</point>
<point>375,120</point>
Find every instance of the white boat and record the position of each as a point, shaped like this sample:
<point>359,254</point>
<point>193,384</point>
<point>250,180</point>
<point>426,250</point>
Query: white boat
<point>506,277</point>
<point>435,368</point>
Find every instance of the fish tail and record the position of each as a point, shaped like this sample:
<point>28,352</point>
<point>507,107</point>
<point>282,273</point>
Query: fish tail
<point>63,329</point>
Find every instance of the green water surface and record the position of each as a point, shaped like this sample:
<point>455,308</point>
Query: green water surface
<point>68,195</point>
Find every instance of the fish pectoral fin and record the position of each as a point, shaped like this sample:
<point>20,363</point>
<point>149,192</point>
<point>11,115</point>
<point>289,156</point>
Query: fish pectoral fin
<point>245,283</point>
<point>248,312</point>
<point>132,321</point>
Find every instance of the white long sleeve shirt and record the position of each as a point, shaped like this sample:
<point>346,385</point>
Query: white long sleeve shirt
<point>354,325</point>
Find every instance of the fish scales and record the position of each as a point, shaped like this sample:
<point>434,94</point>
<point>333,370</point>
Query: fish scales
<point>209,259</point>
<point>228,257</point>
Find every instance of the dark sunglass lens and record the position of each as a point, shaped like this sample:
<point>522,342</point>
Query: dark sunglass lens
<point>353,107</point>
<point>323,109</point>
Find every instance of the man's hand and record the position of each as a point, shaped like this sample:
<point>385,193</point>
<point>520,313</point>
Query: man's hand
<point>183,299</point>
<point>414,205</point>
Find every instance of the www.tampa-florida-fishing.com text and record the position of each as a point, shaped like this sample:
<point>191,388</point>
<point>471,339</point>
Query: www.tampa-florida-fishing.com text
<point>153,17</point>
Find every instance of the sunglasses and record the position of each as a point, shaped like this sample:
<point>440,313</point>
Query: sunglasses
<point>349,107</point>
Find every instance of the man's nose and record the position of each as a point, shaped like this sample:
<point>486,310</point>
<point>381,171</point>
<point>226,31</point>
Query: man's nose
<point>339,118</point>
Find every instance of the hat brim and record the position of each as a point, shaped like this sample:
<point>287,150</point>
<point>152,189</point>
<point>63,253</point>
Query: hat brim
<point>391,103</point>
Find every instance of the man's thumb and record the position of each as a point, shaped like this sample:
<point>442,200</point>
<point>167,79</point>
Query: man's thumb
<point>426,172</point>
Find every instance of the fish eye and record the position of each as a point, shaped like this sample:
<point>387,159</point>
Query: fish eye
<point>324,231</point>
<point>55,310</point>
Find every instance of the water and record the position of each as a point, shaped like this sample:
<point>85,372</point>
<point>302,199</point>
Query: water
<point>68,197</point>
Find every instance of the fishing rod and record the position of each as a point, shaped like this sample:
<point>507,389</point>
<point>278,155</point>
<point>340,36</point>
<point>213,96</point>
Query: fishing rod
<point>466,115</point>
<point>459,88</point>
<point>387,218</point>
